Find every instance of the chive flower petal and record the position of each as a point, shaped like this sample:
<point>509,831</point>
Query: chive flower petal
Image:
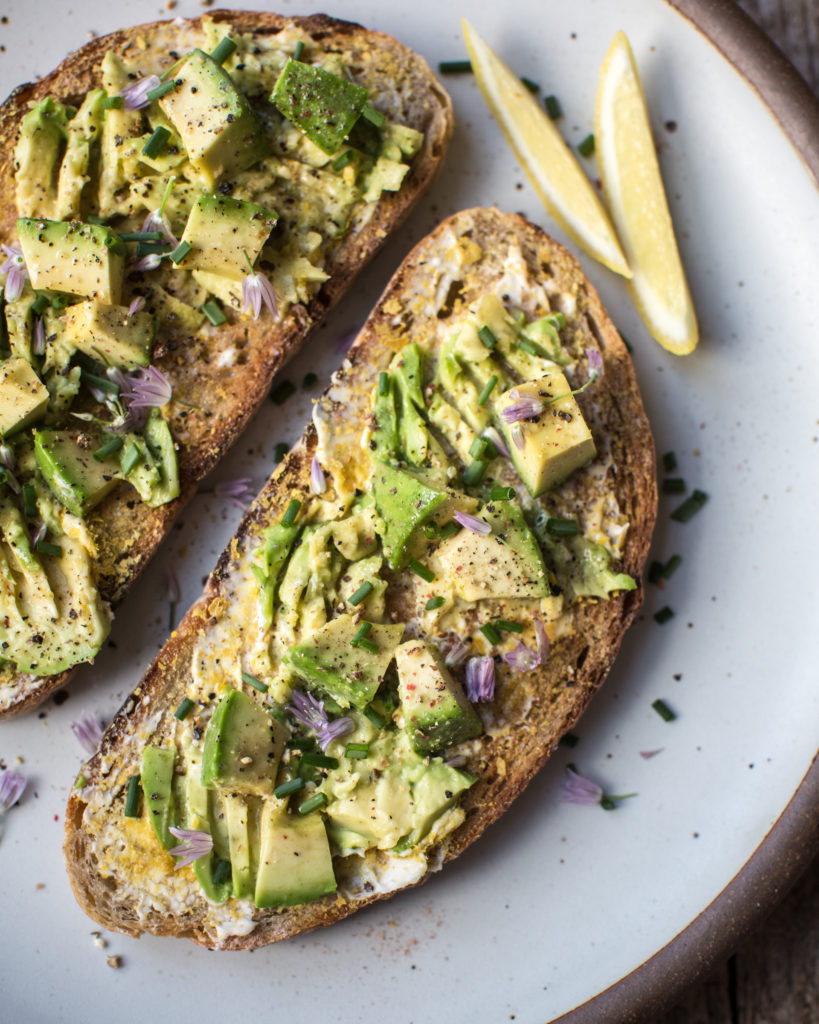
<point>156,221</point>
<point>577,790</point>
<point>14,268</point>
<point>171,587</point>
<point>88,732</point>
<point>12,785</point>
<point>472,523</point>
<point>193,844</point>
<point>522,658</point>
<point>38,337</point>
<point>137,304</point>
<point>147,388</point>
<point>455,652</point>
<point>256,289</point>
<point>595,361</point>
<point>480,678</point>
<point>318,481</point>
<point>523,409</point>
<point>497,441</point>
<point>240,491</point>
<point>149,262</point>
<point>135,96</point>
<point>305,708</point>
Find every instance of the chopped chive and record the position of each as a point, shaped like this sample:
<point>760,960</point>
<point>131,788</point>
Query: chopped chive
<point>80,781</point>
<point>161,90</point>
<point>316,800</point>
<point>114,445</point>
<point>473,474</point>
<point>280,451</point>
<point>586,147</point>
<point>184,709</point>
<point>663,615</point>
<point>491,634</point>
<point>373,116</point>
<point>530,85</point>
<point>149,248</point>
<point>362,593</point>
<point>502,494</point>
<point>180,252</point>
<point>291,512</point>
<point>449,530</point>
<point>357,750</point>
<point>111,102</point>
<point>257,684</point>
<point>154,146</point>
<point>430,531</point>
<point>568,739</point>
<point>671,566</point>
<point>530,347</point>
<point>673,485</point>
<point>29,500</point>
<point>367,645</point>
<point>331,707</point>
<point>315,760</point>
<point>553,108</point>
<point>279,395</point>
<point>301,743</point>
<point>378,720</point>
<point>42,547</point>
<point>508,627</point>
<point>487,337</point>
<point>102,383</point>
<point>310,380</point>
<point>663,710</point>
<point>223,49</point>
<point>141,236</point>
<point>299,50</point>
<point>557,320</point>
<point>478,447</point>
<point>342,160</point>
<point>129,458</point>
<point>132,798</point>
<point>286,788</point>
<point>488,388</point>
<point>655,572</point>
<point>278,713</point>
<point>421,570</point>
<point>454,67</point>
<point>360,639</point>
<point>95,220</point>
<point>383,383</point>
<point>362,631</point>
<point>39,304</point>
<point>221,873</point>
<point>562,527</point>
<point>689,507</point>
<point>669,462</point>
<point>214,313</point>
<point>434,602</point>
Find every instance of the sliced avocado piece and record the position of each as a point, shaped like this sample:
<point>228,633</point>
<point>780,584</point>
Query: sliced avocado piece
<point>110,334</point>
<point>63,387</point>
<point>436,711</point>
<point>385,443</point>
<point>23,396</point>
<point>407,372</point>
<point>224,234</point>
<point>295,863</point>
<point>121,131</point>
<point>160,441</point>
<point>403,503</point>
<point>545,335</point>
<point>19,322</point>
<point>323,105</point>
<point>277,543</point>
<point>435,791</point>
<point>69,468</point>
<point>37,158</point>
<point>243,746</point>
<point>462,393</point>
<point>84,131</point>
<point>583,567</point>
<point>505,563</point>
<point>157,778</point>
<point>551,446</point>
<point>198,816</point>
<point>215,122</point>
<point>82,259</point>
<point>239,825</point>
<point>328,661</point>
<point>453,427</point>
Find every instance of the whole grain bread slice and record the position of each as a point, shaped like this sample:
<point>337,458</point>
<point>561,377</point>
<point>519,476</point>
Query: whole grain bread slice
<point>466,255</point>
<point>221,395</point>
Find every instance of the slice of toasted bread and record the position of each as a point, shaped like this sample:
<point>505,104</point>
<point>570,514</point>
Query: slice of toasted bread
<point>222,374</point>
<point>120,875</point>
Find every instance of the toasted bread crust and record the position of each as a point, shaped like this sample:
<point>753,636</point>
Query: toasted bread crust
<point>538,708</point>
<point>126,532</point>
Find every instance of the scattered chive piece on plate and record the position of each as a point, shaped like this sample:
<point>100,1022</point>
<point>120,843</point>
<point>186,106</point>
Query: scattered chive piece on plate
<point>378,720</point>
<point>180,252</point>
<point>673,485</point>
<point>360,639</point>
<point>362,593</point>
<point>663,710</point>
<point>488,388</point>
<point>141,236</point>
<point>655,572</point>
<point>257,684</point>
<point>502,494</point>
<point>561,527</point>
<point>357,750</point>
<point>671,566</point>
<point>663,615</point>
<point>669,462</point>
<point>586,147</point>
<point>154,146</point>
<point>111,102</point>
<point>132,798</point>
<point>280,451</point>
<point>316,800</point>
<point>29,500</point>
<point>223,49</point>
<point>421,570</point>
<point>149,248</point>
<point>183,710</point>
<point>553,108</point>
<point>455,67</point>
<point>161,90</point>
<point>487,337</point>
<point>383,382</point>
<point>530,85</point>
<point>508,627</point>
<point>689,507</point>
<point>568,739</point>
<point>310,380</point>
<point>291,512</point>
<point>491,634</point>
<point>214,313</point>
<point>434,602</point>
<point>114,445</point>
<point>286,788</point>
<point>282,392</point>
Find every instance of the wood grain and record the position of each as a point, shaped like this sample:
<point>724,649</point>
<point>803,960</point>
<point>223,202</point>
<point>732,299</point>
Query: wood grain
<point>773,978</point>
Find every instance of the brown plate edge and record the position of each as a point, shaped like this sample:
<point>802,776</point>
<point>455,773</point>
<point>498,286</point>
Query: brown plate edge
<point>790,846</point>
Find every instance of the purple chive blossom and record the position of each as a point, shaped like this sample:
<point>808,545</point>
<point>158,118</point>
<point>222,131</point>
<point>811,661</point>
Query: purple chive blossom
<point>38,337</point>
<point>317,479</point>
<point>595,359</point>
<point>472,523</point>
<point>647,754</point>
<point>240,491</point>
<point>480,679</point>
<point>491,434</point>
<point>577,790</point>
<point>458,650</point>
<point>256,289</point>
<point>542,638</point>
<point>137,305</point>
<point>88,732</point>
<point>15,270</point>
<point>157,221</point>
<point>171,587</point>
<point>149,262</point>
<point>193,844</point>
<point>39,534</point>
<point>521,658</point>
<point>523,409</point>
<point>146,389</point>
<point>135,96</point>
<point>310,712</point>
<point>517,436</point>
<point>343,341</point>
<point>333,730</point>
<point>12,785</point>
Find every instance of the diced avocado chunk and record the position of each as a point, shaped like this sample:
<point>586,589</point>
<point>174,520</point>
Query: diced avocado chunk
<point>384,440</point>
<point>328,662</point>
<point>159,439</point>
<point>554,444</point>
<point>403,503</point>
<point>157,779</point>
<point>436,712</point>
<point>295,863</point>
<point>37,158</point>
<point>505,563</point>
<point>237,814</point>
<point>215,122</point>
<point>83,131</point>
<point>323,105</point>
<point>408,375</point>
<point>243,746</point>
<point>436,790</point>
<point>69,256</point>
<point>224,234</point>
<point>110,334</point>
<point>23,396</point>
<point>69,468</point>
<point>277,542</point>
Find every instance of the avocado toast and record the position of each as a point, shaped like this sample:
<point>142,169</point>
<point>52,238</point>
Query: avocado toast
<point>175,220</point>
<point>420,603</point>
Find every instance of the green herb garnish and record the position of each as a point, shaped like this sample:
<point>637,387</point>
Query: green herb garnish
<point>663,710</point>
<point>315,760</point>
<point>257,684</point>
<point>669,462</point>
<point>421,570</point>
<point>663,615</point>
<point>378,720</point>
<point>132,798</point>
<point>180,252</point>
<point>502,494</point>
<point>223,49</point>
<point>362,593</point>
<point>530,85</point>
<point>449,530</point>
<point>286,788</point>
<point>161,90</point>
<point>291,512</point>
<point>689,507</point>
<point>342,160</point>
<point>214,313</point>
<point>29,500</point>
<point>455,67</point>
<point>488,388</point>
<point>487,337</point>
<point>357,750</point>
<point>310,380</point>
<point>282,392</point>
<point>316,800</point>
<point>586,147</point>
<point>280,451</point>
<point>508,627</point>
<point>562,527</point>
<point>42,547</point>
<point>154,146</point>
<point>114,445</point>
<point>434,602</point>
<point>473,474</point>
<point>673,485</point>
<point>553,108</point>
<point>184,709</point>
<point>129,458</point>
<point>491,634</point>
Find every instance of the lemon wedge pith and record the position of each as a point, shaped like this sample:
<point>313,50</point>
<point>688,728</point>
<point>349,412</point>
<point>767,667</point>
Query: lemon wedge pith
<point>548,162</point>
<point>633,188</point>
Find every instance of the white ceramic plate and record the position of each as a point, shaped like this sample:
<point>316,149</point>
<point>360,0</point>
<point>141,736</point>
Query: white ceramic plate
<point>557,902</point>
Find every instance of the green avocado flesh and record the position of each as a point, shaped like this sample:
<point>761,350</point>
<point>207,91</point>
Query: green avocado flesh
<point>323,105</point>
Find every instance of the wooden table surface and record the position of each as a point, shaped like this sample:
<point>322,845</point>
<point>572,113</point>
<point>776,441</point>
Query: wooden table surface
<point>773,978</point>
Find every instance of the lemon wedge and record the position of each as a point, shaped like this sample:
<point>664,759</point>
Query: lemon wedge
<point>634,192</point>
<point>550,165</point>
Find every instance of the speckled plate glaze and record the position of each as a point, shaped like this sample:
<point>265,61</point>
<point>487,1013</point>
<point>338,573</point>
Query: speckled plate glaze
<point>559,911</point>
